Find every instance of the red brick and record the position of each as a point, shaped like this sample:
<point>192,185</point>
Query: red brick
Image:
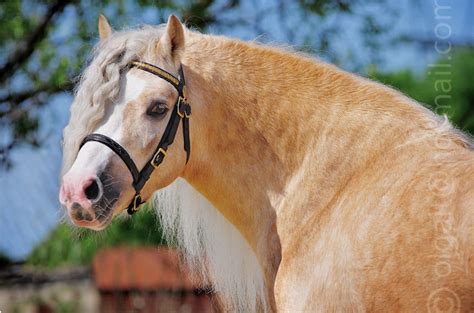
<point>128,268</point>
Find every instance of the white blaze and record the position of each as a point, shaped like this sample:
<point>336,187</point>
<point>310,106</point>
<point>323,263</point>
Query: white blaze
<point>94,156</point>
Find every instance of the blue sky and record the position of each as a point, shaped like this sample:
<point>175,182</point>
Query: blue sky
<point>28,193</point>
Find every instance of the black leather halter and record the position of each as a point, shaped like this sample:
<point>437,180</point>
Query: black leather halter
<point>181,111</point>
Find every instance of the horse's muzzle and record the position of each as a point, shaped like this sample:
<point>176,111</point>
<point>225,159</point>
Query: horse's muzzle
<point>88,203</point>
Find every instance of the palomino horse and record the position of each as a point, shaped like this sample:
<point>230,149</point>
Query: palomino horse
<point>307,188</point>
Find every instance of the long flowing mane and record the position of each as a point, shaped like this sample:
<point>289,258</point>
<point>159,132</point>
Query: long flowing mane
<point>212,247</point>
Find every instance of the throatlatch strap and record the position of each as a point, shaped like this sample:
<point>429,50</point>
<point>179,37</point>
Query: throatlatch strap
<point>187,142</point>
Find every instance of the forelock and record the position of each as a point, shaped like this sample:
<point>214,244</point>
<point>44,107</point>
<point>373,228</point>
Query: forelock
<point>99,84</point>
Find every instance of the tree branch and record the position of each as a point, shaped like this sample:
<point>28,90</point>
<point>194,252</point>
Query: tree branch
<point>21,96</point>
<point>4,153</point>
<point>12,101</point>
<point>27,47</point>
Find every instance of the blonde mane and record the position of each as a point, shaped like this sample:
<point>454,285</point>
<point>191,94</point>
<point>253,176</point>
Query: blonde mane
<point>213,248</point>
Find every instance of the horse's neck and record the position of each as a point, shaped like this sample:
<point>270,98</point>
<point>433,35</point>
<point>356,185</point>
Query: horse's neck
<point>262,118</point>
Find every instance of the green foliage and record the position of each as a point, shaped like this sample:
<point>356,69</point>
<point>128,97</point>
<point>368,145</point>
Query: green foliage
<point>15,23</point>
<point>24,124</point>
<point>77,246</point>
<point>445,87</point>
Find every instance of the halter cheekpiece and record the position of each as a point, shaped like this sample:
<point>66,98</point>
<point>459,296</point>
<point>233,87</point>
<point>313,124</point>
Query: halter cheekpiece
<point>181,111</point>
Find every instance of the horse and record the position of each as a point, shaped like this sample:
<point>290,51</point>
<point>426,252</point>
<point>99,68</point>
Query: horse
<point>300,187</point>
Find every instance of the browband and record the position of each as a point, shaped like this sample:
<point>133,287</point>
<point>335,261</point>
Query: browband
<point>150,68</point>
<point>181,111</point>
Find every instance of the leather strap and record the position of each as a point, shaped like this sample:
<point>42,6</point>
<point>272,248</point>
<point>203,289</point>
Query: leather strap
<point>117,148</point>
<point>181,111</point>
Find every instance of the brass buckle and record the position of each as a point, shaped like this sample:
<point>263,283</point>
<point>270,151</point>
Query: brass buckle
<point>137,202</point>
<point>181,99</point>
<point>160,150</point>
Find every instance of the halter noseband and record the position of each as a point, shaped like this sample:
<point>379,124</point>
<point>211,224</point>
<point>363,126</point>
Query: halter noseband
<point>181,111</point>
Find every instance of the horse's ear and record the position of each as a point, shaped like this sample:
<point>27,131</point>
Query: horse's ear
<point>172,42</point>
<point>104,27</point>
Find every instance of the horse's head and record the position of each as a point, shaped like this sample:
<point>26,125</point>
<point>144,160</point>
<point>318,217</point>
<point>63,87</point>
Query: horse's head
<point>130,106</point>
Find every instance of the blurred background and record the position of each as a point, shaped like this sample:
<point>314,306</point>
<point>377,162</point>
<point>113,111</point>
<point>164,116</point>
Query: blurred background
<point>425,48</point>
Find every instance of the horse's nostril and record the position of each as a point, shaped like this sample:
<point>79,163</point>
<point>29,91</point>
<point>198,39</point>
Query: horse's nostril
<point>78,213</point>
<point>76,207</point>
<point>92,191</point>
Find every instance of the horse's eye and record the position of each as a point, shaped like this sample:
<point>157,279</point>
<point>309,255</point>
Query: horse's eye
<point>157,109</point>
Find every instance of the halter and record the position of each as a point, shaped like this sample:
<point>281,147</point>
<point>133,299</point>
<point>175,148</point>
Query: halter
<point>181,111</point>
